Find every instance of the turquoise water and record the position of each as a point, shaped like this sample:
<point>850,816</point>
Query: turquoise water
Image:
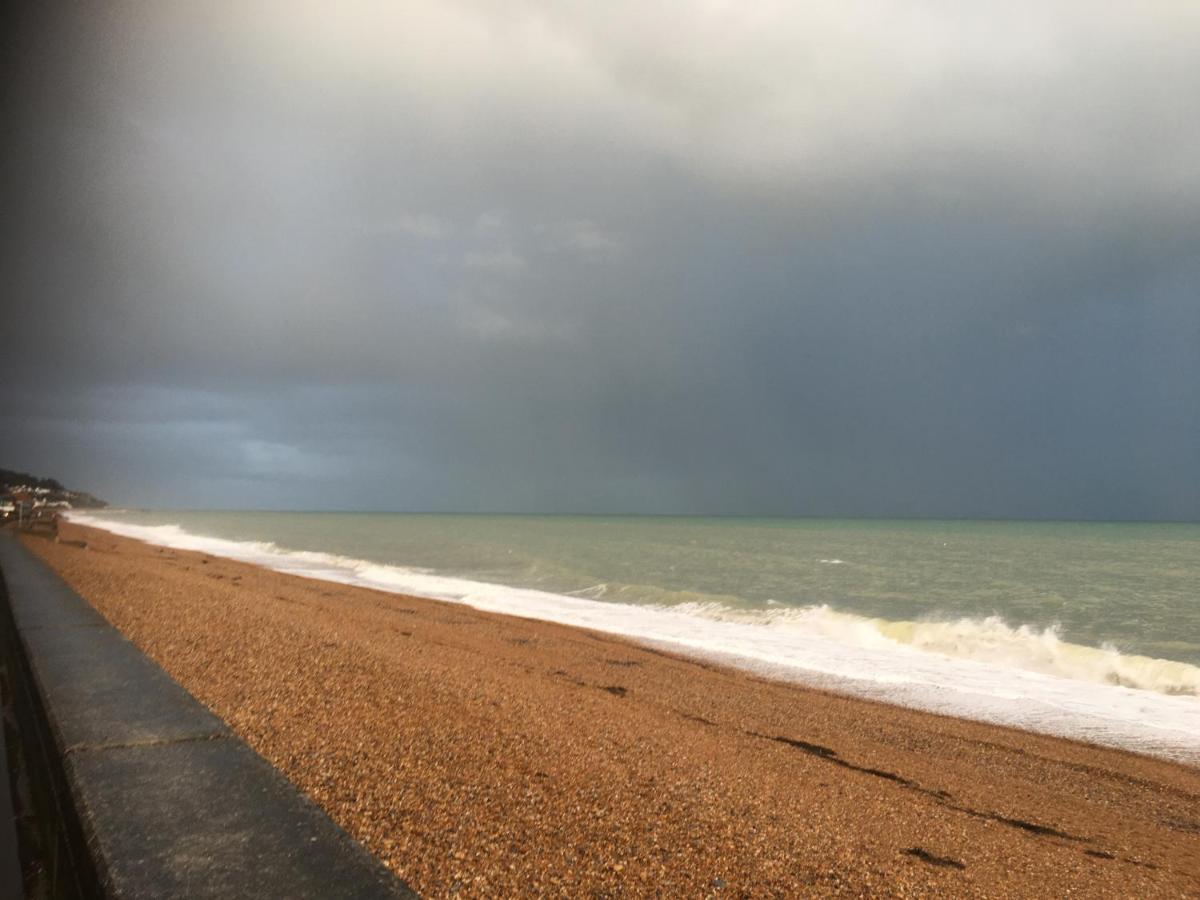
<point>1133,587</point>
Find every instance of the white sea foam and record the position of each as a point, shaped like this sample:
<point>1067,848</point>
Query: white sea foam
<point>976,668</point>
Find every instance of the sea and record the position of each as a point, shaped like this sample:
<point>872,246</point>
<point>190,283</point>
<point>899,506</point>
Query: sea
<point>1084,630</point>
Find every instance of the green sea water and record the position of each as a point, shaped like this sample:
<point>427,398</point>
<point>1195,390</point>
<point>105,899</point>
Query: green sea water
<point>1132,587</point>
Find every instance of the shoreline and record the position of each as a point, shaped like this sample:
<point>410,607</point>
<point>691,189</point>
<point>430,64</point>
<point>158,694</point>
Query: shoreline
<point>465,748</point>
<point>1093,694</point>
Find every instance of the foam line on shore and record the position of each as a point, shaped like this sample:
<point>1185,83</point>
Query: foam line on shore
<point>1017,675</point>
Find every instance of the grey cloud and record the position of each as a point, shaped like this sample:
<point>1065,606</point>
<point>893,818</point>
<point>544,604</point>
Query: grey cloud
<point>918,259</point>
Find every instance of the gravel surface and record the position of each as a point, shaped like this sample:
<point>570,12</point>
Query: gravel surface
<point>481,755</point>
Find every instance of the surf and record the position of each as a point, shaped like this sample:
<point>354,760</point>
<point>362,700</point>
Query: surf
<point>984,668</point>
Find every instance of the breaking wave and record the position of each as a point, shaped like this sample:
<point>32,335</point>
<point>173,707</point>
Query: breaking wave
<point>988,640</point>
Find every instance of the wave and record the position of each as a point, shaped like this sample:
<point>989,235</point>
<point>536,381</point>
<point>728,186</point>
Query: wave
<point>1043,650</point>
<point>989,640</point>
<point>976,668</point>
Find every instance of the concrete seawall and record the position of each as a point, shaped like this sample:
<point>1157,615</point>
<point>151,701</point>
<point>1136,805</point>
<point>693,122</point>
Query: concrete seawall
<point>140,791</point>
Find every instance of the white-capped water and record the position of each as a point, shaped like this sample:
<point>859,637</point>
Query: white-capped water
<point>977,667</point>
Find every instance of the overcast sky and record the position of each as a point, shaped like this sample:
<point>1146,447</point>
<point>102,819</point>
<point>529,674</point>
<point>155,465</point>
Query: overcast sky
<point>882,257</point>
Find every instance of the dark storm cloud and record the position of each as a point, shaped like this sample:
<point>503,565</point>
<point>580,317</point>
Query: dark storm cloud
<point>911,259</point>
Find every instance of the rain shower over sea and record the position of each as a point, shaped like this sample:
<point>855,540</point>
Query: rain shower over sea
<point>1090,631</point>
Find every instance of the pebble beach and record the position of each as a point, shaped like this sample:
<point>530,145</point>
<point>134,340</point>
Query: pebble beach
<point>485,755</point>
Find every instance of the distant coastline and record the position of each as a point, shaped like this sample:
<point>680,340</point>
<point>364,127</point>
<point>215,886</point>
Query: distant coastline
<point>25,497</point>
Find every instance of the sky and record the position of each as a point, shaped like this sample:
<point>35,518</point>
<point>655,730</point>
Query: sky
<point>870,258</point>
